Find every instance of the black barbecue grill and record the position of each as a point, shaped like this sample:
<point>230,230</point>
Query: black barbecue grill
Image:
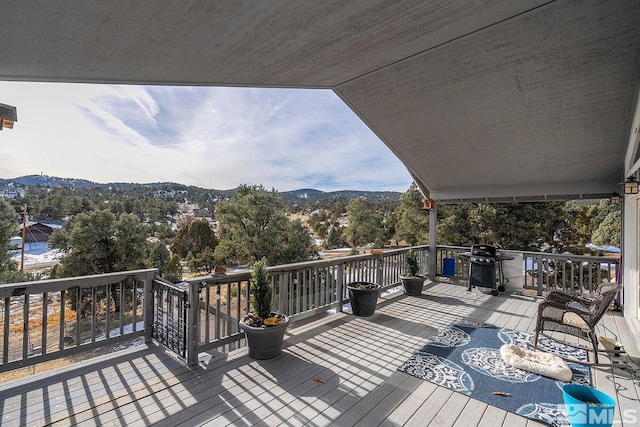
<point>484,261</point>
<point>482,267</point>
<point>485,267</point>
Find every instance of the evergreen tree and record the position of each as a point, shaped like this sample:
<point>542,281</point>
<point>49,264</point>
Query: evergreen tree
<point>608,231</point>
<point>335,239</point>
<point>97,243</point>
<point>131,241</point>
<point>364,222</point>
<point>582,222</point>
<point>8,228</point>
<point>159,257</point>
<point>207,260</point>
<point>88,244</point>
<point>173,271</point>
<point>190,261</point>
<point>517,226</point>
<point>194,238</point>
<point>254,225</point>
<point>413,221</point>
<point>297,243</point>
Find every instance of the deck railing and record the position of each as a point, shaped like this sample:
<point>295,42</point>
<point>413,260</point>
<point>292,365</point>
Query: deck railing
<point>301,290</point>
<point>51,319</point>
<point>537,271</point>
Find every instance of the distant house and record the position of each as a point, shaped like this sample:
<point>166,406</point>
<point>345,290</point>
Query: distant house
<point>11,192</point>
<point>15,242</point>
<point>36,232</point>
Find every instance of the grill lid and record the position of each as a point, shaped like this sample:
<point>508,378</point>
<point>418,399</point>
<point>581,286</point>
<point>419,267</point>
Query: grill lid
<point>483,250</point>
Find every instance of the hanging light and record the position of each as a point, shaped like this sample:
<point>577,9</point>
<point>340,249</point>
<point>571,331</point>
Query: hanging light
<point>631,185</point>
<point>8,115</point>
<point>614,199</point>
<point>428,204</point>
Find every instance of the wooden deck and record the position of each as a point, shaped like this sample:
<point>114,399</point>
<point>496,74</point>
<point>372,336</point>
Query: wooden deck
<point>357,358</point>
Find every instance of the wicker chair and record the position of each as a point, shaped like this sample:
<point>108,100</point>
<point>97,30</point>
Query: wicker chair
<point>575,315</point>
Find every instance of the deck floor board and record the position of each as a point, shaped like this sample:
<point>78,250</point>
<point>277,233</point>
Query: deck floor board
<point>356,359</point>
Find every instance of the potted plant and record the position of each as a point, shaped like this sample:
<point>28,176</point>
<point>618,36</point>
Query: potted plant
<point>412,282</point>
<point>263,328</point>
<point>363,297</point>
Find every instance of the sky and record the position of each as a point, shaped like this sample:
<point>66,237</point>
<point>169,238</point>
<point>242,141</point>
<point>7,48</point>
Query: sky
<point>211,137</point>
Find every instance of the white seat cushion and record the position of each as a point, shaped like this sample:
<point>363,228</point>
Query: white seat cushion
<point>541,363</point>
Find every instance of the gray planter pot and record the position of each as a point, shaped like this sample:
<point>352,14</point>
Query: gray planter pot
<point>363,301</point>
<point>264,342</point>
<point>412,285</point>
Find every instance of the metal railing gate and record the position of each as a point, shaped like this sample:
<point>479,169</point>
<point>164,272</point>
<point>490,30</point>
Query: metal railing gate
<point>169,326</point>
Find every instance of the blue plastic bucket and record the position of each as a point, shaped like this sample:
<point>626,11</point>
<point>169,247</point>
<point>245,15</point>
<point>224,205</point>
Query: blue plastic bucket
<point>587,406</point>
<point>449,267</point>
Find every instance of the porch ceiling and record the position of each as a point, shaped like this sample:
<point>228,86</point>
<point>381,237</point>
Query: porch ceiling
<point>481,100</point>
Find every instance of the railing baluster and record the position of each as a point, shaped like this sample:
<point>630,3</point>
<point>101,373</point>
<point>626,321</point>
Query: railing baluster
<point>25,326</point>
<point>134,304</point>
<point>218,325</point>
<point>298,293</point>
<point>94,315</point>
<point>45,322</point>
<point>282,289</point>
<point>108,310</point>
<point>207,314</point>
<point>63,322</point>
<point>5,334</point>
<point>122,291</point>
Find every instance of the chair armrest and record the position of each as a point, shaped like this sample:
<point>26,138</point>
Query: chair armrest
<point>566,302</point>
<point>560,297</point>
<point>586,300</point>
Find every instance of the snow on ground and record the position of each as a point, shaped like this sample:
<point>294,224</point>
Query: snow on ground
<point>603,248</point>
<point>38,253</point>
<point>127,329</point>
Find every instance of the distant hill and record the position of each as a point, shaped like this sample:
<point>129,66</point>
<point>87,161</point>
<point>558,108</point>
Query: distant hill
<point>306,194</point>
<point>52,181</point>
<point>56,182</point>
<point>311,195</point>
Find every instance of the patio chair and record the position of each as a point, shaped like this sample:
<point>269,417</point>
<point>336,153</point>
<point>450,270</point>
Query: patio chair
<point>575,315</point>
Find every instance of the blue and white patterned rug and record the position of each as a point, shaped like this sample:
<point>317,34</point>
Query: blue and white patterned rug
<point>465,357</point>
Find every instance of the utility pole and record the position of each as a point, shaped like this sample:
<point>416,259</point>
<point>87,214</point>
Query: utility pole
<point>24,235</point>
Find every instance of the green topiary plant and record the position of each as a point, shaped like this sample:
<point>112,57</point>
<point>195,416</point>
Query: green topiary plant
<point>261,292</point>
<point>261,289</point>
<point>263,328</point>
<point>411,263</point>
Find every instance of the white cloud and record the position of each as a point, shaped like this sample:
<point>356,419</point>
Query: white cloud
<point>209,137</point>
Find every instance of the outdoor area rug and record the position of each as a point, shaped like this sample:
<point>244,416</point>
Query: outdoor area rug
<point>465,357</point>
